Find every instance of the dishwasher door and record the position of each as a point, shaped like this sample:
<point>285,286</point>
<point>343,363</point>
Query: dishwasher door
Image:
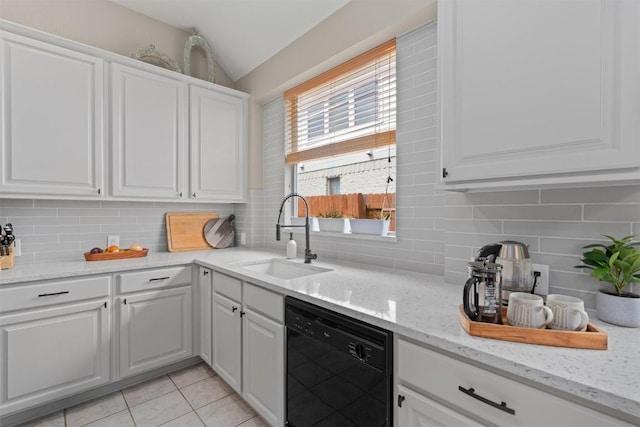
<point>338,370</point>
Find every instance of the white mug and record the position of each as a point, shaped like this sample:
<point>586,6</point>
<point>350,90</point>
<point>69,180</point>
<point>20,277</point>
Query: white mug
<point>568,313</point>
<point>528,311</point>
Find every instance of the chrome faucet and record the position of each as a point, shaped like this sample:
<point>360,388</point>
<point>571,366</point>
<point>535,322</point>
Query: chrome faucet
<point>308,256</point>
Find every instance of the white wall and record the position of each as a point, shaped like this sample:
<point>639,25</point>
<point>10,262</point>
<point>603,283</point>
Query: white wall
<point>420,229</point>
<point>108,26</point>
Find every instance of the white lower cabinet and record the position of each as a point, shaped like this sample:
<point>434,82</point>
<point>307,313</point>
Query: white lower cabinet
<point>60,348</point>
<point>450,391</point>
<point>227,340</point>
<point>248,344</point>
<point>416,410</point>
<point>156,325</point>
<point>263,365</point>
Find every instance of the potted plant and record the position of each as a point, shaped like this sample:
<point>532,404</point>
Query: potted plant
<point>618,264</point>
<point>373,226</point>
<point>333,221</point>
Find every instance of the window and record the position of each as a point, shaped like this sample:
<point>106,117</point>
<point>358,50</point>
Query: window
<point>333,185</point>
<point>341,124</point>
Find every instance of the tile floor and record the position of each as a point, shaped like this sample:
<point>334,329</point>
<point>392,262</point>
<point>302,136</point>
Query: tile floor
<point>191,397</point>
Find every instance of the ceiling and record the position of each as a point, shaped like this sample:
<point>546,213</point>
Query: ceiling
<point>242,33</point>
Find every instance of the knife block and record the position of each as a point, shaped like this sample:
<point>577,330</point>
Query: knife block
<point>7,261</point>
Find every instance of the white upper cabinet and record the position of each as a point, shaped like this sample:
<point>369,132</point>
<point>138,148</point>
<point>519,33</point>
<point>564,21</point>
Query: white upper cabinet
<point>169,137</point>
<point>218,145</point>
<point>539,92</point>
<point>149,133</point>
<point>52,119</point>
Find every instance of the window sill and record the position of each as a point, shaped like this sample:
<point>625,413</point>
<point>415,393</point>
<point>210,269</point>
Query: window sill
<point>299,231</point>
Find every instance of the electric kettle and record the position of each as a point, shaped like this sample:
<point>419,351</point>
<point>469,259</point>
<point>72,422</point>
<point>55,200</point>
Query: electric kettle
<point>516,265</point>
<point>481,295</point>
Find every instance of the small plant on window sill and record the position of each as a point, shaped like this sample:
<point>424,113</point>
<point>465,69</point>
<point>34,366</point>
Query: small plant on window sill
<point>331,214</point>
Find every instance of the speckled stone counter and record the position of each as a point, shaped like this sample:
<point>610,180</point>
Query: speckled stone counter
<point>418,306</point>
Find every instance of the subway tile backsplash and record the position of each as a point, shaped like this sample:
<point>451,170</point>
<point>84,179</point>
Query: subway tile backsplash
<point>556,223</point>
<point>62,230</point>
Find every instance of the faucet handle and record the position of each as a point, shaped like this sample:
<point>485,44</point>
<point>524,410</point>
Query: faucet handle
<point>308,256</point>
<point>278,232</point>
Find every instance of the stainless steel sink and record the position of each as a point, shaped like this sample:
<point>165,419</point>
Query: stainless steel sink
<point>283,269</point>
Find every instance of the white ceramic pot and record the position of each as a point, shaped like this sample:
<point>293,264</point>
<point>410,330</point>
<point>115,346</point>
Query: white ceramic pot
<point>621,311</point>
<point>376,227</point>
<point>335,225</point>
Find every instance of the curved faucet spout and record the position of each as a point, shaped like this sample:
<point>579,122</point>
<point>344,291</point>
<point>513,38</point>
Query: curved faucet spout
<point>308,256</point>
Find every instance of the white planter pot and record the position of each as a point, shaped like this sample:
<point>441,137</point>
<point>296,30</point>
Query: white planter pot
<point>621,311</point>
<point>335,225</point>
<point>376,227</point>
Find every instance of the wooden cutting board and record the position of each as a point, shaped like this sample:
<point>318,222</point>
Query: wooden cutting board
<point>185,230</point>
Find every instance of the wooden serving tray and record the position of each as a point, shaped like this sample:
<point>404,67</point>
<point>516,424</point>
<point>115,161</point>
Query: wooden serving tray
<point>593,338</point>
<point>123,254</point>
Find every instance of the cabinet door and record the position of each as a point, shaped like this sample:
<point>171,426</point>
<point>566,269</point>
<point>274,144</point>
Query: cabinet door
<point>50,353</point>
<point>148,132</point>
<point>523,100</point>
<point>218,146</point>
<point>155,329</point>
<point>416,410</point>
<point>227,329</point>
<point>52,120</point>
<point>263,366</point>
<point>205,289</point>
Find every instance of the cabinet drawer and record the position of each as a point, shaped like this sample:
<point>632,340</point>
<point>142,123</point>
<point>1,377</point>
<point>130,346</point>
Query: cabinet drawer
<point>266,302</point>
<point>153,279</point>
<point>227,286</point>
<point>440,377</point>
<point>57,292</point>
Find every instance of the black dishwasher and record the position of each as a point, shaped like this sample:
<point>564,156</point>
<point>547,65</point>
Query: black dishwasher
<point>339,369</point>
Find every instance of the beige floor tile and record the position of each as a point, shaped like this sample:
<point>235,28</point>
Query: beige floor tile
<point>189,420</point>
<point>206,391</point>
<point>144,392</point>
<point>53,420</point>
<point>255,422</point>
<point>94,410</point>
<point>190,375</point>
<point>160,410</point>
<point>226,412</point>
<point>121,419</point>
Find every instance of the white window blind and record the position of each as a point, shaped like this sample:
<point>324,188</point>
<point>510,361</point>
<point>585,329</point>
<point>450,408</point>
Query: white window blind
<point>350,108</point>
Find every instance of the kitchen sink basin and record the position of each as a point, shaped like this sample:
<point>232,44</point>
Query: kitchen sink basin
<point>283,269</point>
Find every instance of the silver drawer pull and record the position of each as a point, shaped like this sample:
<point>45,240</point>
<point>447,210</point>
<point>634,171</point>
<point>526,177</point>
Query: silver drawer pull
<point>502,405</point>
<point>155,279</point>
<point>53,293</point>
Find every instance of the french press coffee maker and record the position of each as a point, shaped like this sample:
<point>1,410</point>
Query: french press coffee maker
<point>481,297</point>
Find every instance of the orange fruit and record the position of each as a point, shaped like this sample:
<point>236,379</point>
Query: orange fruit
<point>112,249</point>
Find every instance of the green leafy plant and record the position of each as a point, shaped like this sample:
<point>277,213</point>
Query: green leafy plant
<point>385,215</point>
<point>617,263</point>
<point>331,214</point>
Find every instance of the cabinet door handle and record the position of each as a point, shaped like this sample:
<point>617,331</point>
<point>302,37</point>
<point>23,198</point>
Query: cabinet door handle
<point>205,272</point>
<point>502,405</point>
<point>124,301</point>
<point>194,195</point>
<point>99,191</point>
<point>400,400</point>
<point>155,279</point>
<point>53,293</point>
<point>242,313</point>
<point>180,195</point>
<point>233,309</point>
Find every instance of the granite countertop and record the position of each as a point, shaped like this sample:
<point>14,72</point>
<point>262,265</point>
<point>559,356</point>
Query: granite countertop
<point>418,306</point>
